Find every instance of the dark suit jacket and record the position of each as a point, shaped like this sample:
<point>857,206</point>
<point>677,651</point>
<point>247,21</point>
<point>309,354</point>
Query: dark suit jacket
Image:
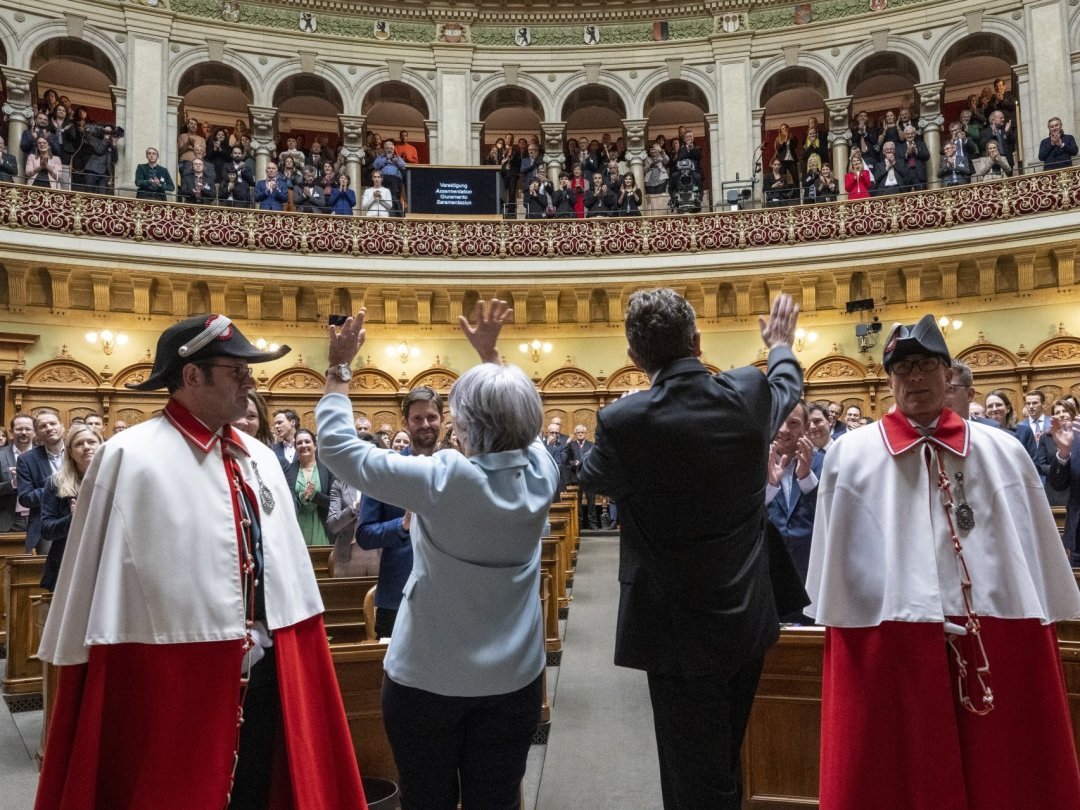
<point>379,526</point>
<point>322,497</point>
<point>1066,478</point>
<point>8,493</point>
<point>686,462</point>
<point>34,472</point>
<point>55,524</point>
<point>1058,157</point>
<point>578,454</point>
<point>794,517</point>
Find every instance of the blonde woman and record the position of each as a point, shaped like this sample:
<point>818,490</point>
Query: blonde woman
<point>61,492</point>
<point>858,181</point>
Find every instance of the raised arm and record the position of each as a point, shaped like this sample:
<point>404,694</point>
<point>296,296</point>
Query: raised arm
<point>785,373</point>
<point>485,334</point>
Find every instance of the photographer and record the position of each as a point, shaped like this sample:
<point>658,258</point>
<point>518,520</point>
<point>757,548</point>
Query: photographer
<point>151,179</point>
<point>599,199</point>
<point>98,152</point>
<point>376,201</point>
<point>342,199</point>
<point>689,151</point>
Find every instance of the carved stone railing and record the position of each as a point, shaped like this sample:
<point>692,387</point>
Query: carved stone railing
<point>34,208</point>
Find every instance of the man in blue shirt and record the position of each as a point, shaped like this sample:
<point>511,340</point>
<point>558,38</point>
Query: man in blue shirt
<point>272,192</point>
<point>382,525</point>
<point>392,167</point>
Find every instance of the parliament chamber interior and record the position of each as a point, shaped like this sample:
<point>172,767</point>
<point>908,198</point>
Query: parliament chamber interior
<point>285,161</point>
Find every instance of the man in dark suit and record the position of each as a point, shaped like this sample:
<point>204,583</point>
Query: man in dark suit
<point>34,470</point>
<point>791,496</point>
<point>387,527</point>
<point>1057,149</point>
<point>12,514</point>
<point>686,460</point>
<point>580,449</point>
<point>558,445</point>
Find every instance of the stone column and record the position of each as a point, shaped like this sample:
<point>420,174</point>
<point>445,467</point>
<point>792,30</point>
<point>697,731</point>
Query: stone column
<point>124,170</point>
<point>147,74</point>
<point>553,148</point>
<point>1029,135</point>
<point>636,150</point>
<point>19,109</point>
<point>263,135</point>
<point>760,148</point>
<point>453,86</point>
<point>930,121</point>
<point>352,137</point>
<point>167,153</point>
<point>436,146</point>
<point>839,110</point>
<point>1049,46</point>
<point>476,145</point>
<point>716,151</point>
<point>738,131</point>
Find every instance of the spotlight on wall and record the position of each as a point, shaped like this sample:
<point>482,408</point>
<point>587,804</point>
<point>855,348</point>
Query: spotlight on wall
<point>535,348</point>
<point>403,351</point>
<point>946,323</point>
<point>802,337</point>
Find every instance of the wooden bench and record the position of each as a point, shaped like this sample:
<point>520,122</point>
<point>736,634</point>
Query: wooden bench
<point>549,602</point>
<point>320,561</point>
<point>11,545</point>
<point>22,683</point>
<point>343,603</point>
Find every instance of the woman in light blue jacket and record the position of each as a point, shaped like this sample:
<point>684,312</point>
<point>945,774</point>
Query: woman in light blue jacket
<point>463,674</point>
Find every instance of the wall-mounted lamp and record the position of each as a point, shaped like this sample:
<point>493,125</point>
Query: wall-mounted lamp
<point>107,339</point>
<point>535,349</point>
<point>946,323</point>
<point>802,337</point>
<point>403,351</point>
<point>263,345</point>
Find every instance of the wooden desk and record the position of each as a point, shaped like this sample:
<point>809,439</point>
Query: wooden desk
<point>22,679</point>
<point>11,545</point>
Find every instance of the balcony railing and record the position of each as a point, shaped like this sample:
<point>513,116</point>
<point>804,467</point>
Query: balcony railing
<point>42,209</point>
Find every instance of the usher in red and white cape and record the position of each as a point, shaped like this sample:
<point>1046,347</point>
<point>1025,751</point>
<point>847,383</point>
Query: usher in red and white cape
<point>884,579</point>
<point>147,623</point>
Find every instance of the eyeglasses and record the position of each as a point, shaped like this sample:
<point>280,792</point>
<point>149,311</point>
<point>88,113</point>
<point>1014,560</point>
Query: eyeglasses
<point>240,373</point>
<point>904,367</point>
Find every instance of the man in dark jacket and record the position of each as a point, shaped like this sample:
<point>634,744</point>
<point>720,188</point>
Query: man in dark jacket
<point>686,461</point>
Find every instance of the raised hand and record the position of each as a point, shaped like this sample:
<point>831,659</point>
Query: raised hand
<point>780,329</point>
<point>346,340</point>
<point>1062,431</point>
<point>485,334</point>
<point>804,454</point>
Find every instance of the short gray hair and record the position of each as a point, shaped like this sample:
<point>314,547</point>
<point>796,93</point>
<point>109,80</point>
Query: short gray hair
<point>961,374</point>
<point>495,408</point>
<point>660,327</point>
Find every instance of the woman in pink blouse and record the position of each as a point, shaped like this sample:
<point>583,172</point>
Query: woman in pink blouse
<point>43,168</point>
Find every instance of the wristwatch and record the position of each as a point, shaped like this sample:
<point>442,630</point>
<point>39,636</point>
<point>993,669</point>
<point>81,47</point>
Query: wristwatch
<point>341,371</point>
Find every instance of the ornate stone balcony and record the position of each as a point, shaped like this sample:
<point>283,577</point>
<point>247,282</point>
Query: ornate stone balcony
<point>32,208</point>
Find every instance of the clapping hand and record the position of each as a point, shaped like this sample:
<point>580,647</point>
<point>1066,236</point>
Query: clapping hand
<point>1063,433</point>
<point>804,454</point>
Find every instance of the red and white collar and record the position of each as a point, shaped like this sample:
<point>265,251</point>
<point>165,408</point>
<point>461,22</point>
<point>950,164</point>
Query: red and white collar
<point>900,435</point>
<point>196,431</point>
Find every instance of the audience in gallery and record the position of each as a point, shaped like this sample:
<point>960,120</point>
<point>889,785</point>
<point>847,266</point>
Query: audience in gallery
<point>858,182</point>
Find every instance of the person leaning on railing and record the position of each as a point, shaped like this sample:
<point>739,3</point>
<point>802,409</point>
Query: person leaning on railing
<point>152,180</point>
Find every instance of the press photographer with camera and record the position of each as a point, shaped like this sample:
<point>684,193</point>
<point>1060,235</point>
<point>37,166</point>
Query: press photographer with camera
<point>97,155</point>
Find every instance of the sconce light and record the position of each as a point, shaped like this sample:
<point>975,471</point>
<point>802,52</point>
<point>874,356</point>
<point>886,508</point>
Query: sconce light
<point>946,323</point>
<point>403,351</point>
<point>802,337</point>
<point>535,349</point>
<point>107,339</point>
<point>265,346</point>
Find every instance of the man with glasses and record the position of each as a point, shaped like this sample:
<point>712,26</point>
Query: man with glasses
<point>938,572</point>
<point>186,622</point>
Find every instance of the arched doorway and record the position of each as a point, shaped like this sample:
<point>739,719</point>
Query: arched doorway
<point>509,111</point>
<point>596,113</point>
<point>794,97</point>
<point>308,107</point>
<point>392,107</point>
<point>883,83</point>
<point>77,71</point>
<point>674,106</point>
<point>217,96</point>
<point>970,68</point>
